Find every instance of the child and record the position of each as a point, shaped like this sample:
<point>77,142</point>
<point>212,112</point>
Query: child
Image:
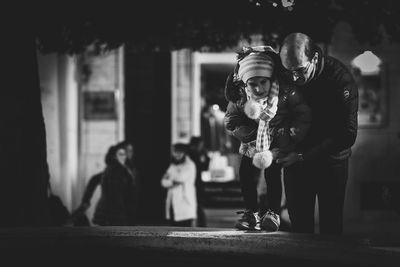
<point>269,118</point>
<point>179,180</point>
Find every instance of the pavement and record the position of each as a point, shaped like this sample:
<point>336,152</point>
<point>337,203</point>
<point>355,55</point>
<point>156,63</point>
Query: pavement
<point>176,246</point>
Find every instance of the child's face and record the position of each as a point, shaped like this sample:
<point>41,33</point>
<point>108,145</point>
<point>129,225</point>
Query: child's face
<point>177,154</point>
<point>258,87</point>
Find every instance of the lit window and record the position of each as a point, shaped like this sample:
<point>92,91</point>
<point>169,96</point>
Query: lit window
<point>368,63</point>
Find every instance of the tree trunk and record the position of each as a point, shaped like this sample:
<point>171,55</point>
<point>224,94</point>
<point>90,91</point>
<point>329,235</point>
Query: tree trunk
<point>23,165</point>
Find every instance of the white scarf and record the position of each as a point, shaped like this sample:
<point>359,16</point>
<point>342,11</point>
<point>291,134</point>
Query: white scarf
<point>267,110</point>
<point>264,133</point>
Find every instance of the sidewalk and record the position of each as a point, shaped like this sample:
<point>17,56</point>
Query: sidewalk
<point>189,247</point>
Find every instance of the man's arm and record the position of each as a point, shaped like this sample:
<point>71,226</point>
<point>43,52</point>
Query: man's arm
<point>94,181</point>
<point>166,180</point>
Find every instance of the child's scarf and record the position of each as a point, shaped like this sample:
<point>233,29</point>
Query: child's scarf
<point>267,110</point>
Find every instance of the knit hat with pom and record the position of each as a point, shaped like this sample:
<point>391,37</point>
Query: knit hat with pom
<point>255,64</point>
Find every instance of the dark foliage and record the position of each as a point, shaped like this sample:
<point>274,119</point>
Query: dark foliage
<point>207,24</point>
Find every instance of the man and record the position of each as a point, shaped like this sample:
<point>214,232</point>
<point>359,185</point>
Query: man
<point>198,154</point>
<point>319,167</point>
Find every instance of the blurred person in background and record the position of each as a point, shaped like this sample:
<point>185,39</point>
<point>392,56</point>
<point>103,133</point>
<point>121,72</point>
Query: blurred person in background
<point>79,217</point>
<point>179,180</point>
<point>116,205</point>
<point>199,155</point>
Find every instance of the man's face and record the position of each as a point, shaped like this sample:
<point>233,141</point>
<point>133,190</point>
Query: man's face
<point>299,67</point>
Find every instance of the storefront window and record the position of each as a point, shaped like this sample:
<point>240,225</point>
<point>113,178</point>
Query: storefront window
<point>369,74</point>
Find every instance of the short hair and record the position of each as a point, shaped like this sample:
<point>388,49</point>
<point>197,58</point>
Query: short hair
<point>295,43</point>
<point>195,140</point>
<point>180,147</point>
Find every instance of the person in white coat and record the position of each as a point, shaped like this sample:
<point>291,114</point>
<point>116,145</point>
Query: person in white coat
<point>179,180</point>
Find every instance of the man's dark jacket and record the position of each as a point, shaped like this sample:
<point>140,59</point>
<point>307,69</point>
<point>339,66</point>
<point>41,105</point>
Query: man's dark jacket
<point>332,96</point>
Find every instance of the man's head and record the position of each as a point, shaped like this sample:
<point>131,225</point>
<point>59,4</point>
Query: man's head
<point>178,152</point>
<point>256,72</point>
<point>116,154</point>
<point>299,56</point>
<point>196,143</point>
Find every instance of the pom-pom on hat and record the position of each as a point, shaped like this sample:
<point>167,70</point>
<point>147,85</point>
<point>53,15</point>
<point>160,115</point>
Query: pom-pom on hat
<point>255,64</point>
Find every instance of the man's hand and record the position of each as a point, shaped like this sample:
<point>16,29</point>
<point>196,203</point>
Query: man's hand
<point>275,153</point>
<point>290,159</point>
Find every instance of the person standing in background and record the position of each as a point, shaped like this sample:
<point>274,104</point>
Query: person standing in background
<point>198,153</point>
<point>117,201</point>
<point>78,216</point>
<point>179,180</point>
<point>137,188</point>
